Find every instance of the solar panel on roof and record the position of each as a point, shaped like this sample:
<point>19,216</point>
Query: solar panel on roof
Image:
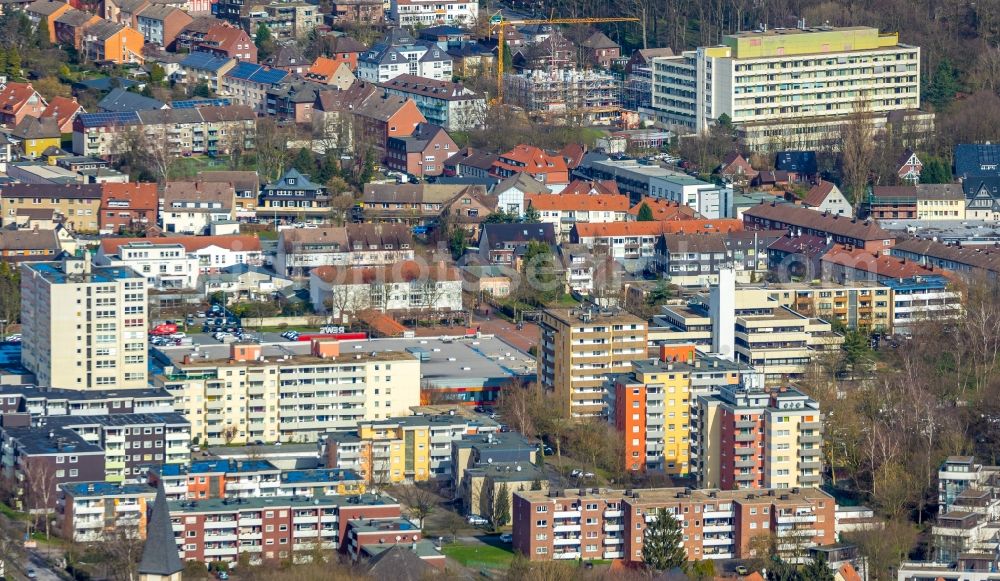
<point>116,118</point>
<point>193,103</point>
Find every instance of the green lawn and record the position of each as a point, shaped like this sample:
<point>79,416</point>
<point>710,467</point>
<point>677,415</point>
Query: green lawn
<point>479,554</point>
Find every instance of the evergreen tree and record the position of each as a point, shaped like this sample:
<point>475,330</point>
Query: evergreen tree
<point>42,37</point>
<point>157,74</point>
<point>942,86</point>
<point>3,60</point>
<point>816,569</point>
<point>508,59</point>
<point>368,169</point>
<point>305,162</point>
<point>500,217</point>
<point>645,213</point>
<point>662,547</point>
<point>536,484</point>
<point>456,242</point>
<point>264,41</point>
<point>501,507</point>
<point>531,216</point>
<point>539,280</point>
<point>725,122</point>
<point>13,62</point>
<point>935,171</point>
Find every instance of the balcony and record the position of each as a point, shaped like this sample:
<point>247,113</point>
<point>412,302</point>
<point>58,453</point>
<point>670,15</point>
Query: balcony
<point>745,477</point>
<point>610,527</point>
<point>613,513</point>
<point>810,438</point>
<point>751,463</point>
<point>613,540</point>
<point>717,514</point>
<point>744,451</point>
<point>716,542</point>
<point>566,528</point>
<point>745,437</point>
<point>717,528</point>
<point>566,514</point>
<point>562,542</point>
<point>795,518</point>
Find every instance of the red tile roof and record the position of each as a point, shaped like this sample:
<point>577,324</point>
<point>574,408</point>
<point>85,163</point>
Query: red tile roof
<point>531,159</point>
<point>605,229</point>
<point>139,195</point>
<point>234,243</point>
<point>592,187</point>
<point>881,265</point>
<point>14,96</point>
<point>664,209</point>
<point>64,109</point>
<point>579,202</point>
<point>818,193</point>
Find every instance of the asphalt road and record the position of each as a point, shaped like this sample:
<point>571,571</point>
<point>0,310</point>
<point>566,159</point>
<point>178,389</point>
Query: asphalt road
<point>42,570</point>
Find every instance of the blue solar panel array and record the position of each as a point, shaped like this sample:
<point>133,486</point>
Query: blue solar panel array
<point>194,103</point>
<point>108,119</point>
<point>204,61</point>
<point>257,74</point>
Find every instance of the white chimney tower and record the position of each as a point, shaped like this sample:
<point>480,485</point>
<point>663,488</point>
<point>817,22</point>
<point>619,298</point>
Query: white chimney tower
<point>722,309</point>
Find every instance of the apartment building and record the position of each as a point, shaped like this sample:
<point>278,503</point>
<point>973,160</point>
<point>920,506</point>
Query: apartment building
<point>275,392</point>
<point>165,266</point>
<point>129,207</point>
<point>399,53</point>
<point>639,245</point>
<point>190,207</point>
<point>579,348</point>
<point>922,298</point>
<point>565,210</point>
<point>483,464</point>
<point>93,512</point>
<point>197,130</point>
<point>78,205</point>
<point>301,249</point>
<point>920,202</point>
<point>41,402</point>
<point>610,524</point>
<point>450,105</point>
<point>270,529</point>
<point>867,235</point>
<point>639,180</point>
<point>545,168</point>
<point>213,253</point>
<point>405,287</point>
<point>251,478</point>
<point>404,449</point>
<point>84,326</point>
<point>865,305</point>
<point>777,84</point>
<point>756,438</point>
<point>430,12</point>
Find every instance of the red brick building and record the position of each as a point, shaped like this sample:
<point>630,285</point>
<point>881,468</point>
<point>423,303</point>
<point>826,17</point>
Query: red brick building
<point>20,100</point>
<point>550,170</point>
<point>840,229</point>
<point>228,41</point>
<point>610,524</point>
<point>420,154</point>
<point>382,116</point>
<point>128,207</point>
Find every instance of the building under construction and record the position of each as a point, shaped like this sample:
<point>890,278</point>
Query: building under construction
<point>592,96</point>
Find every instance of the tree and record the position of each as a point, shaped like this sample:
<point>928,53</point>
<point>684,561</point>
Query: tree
<point>42,37</point>
<point>500,515</point>
<point>121,551</point>
<point>943,86</point>
<point>663,544</point>
<point>13,62</point>
<point>157,74</point>
<point>539,281</point>
<point>271,148</point>
<point>420,503</point>
<point>726,122</point>
<point>704,569</point>
<point>935,171</point>
<point>857,151</point>
<point>229,434</point>
<point>202,90</point>
<point>457,241</point>
<point>500,217</point>
<point>519,404</point>
<point>304,161</point>
<point>10,293</point>
<point>367,167</point>
<point>645,213</point>
<point>531,216</point>
<point>40,487</point>
<point>264,42</point>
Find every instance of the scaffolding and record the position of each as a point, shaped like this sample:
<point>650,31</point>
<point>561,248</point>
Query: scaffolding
<point>595,95</point>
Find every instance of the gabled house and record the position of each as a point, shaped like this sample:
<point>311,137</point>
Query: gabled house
<point>34,136</point>
<point>421,154</point>
<point>20,100</point>
<point>601,50</point>
<point>400,53</point>
<point>736,169</point>
<point>123,11</point>
<point>161,23</point>
<point>357,11</point>
<point>909,166</point>
<point>69,27</point>
<point>504,244</point>
<point>977,160</point>
<point>120,100</point>
<point>191,207</point>
<point>548,169</point>
<point>564,210</point>
<point>48,10</point>
<point>343,49</point>
<point>114,43</point>
<point>227,40</point>
<point>469,208</point>
<point>330,72</point>
<point>827,197</point>
<point>292,101</point>
<point>512,192</point>
<point>643,58</point>
<point>414,204</point>
<point>288,58</point>
<point>294,198</point>
<point>64,110</point>
<point>382,116</point>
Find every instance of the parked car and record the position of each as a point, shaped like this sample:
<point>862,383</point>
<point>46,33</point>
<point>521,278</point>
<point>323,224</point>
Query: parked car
<point>741,570</point>
<point>576,473</point>
<point>506,538</point>
<point>476,520</point>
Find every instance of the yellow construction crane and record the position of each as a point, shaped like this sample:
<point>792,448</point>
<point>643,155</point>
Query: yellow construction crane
<point>499,25</point>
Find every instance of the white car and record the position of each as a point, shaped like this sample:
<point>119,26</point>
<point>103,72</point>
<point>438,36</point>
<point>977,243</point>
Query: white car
<point>178,335</point>
<point>476,520</point>
<point>576,473</point>
<point>506,538</point>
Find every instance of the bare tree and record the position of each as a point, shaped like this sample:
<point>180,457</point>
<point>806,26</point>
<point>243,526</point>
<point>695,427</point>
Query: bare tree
<point>419,502</point>
<point>40,490</point>
<point>857,150</point>
<point>122,549</point>
<point>518,404</point>
<point>271,148</point>
<point>229,434</point>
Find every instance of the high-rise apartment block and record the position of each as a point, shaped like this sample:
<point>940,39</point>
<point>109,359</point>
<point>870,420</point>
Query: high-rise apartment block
<point>579,348</point>
<point>84,326</point>
<point>752,438</point>
<point>652,407</point>
<point>611,524</point>
<point>788,86</point>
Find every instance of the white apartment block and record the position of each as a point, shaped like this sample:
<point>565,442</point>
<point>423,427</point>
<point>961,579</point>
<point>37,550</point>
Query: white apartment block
<point>84,326</point>
<point>165,266</point>
<point>288,393</point>
<point>787,86</point>
<point>341,291</point>
<point>432,12</point>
